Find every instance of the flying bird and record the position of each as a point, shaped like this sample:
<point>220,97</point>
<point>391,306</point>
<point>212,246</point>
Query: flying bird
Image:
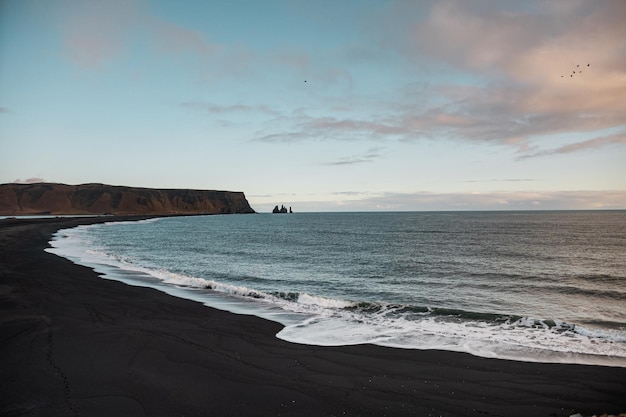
<point>574,71</point>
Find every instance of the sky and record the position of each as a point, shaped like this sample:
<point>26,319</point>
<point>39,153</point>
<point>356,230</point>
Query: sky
<point>322,105</point>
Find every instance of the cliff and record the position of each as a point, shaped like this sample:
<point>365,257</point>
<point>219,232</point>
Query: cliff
<point>53,199</point>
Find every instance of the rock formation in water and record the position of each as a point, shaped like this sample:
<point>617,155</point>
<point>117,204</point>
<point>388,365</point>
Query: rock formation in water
<point>97,199</point>
<point>282,210</point>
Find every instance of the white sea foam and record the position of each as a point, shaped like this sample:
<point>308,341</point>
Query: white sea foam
<point>324,303</point>
<point>117,222</point>
<point>506,341</point>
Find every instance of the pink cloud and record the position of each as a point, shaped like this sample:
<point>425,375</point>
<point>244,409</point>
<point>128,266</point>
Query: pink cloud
<point>541,41</point>
<point>466,35</point>
<point>520,57</point>
<point>98,32</point>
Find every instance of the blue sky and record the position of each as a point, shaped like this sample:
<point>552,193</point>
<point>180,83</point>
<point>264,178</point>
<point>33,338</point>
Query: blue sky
<point>322,105</point>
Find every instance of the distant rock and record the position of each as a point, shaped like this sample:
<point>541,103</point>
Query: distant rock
<point>281,210</point>
<point>97,199</point>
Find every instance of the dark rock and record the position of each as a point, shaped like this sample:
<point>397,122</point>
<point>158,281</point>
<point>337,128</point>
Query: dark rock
<point>281,210</point>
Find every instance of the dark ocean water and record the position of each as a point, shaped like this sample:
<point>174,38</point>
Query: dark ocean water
<point>537,286</point>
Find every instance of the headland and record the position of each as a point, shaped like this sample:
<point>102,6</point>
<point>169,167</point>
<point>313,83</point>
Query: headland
<point>100,199</point>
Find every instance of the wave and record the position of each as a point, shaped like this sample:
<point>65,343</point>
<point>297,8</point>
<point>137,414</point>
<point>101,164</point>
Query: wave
<point>549,334</point>
<point>116,222</point>
<point>332,321</point>
<point>328,320</point>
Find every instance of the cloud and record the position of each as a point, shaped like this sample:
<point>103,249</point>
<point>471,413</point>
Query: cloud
<point>351,193</point>
<point>175,39</point>
<point>535,43</point>
<point>300,127</point>
<point>523,200</point>
<point>234,108</point>
<point>520,56</point>
<point>595,143</point>
<point>510,59</point>
<point>328,126</point>
<point>501,64</point>
<point>371,155</point>
<point>281,137</point>
<point>32,180</point>
<point>3,110</point>
<point>96,33</point>
<point>505,180</point>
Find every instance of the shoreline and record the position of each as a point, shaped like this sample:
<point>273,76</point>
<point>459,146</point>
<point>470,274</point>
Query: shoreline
<point>76,344</point>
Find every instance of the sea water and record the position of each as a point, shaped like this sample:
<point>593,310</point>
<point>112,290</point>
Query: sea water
<point>532,286</point>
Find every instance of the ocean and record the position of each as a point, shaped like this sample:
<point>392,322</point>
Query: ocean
<point>530,286</point>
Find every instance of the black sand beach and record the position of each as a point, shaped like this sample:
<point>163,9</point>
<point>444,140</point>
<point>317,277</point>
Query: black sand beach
<point>74,344</point>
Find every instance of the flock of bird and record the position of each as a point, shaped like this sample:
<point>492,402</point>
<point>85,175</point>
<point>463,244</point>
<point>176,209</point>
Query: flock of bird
<point>575,69</point>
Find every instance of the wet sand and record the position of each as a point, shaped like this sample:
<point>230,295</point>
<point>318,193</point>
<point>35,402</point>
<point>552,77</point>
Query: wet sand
<point>74,344</point>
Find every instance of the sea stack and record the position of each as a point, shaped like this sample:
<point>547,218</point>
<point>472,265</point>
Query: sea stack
<point>281,210</point>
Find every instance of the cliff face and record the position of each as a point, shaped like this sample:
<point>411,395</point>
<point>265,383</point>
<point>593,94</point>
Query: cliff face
<point>49,198</point>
